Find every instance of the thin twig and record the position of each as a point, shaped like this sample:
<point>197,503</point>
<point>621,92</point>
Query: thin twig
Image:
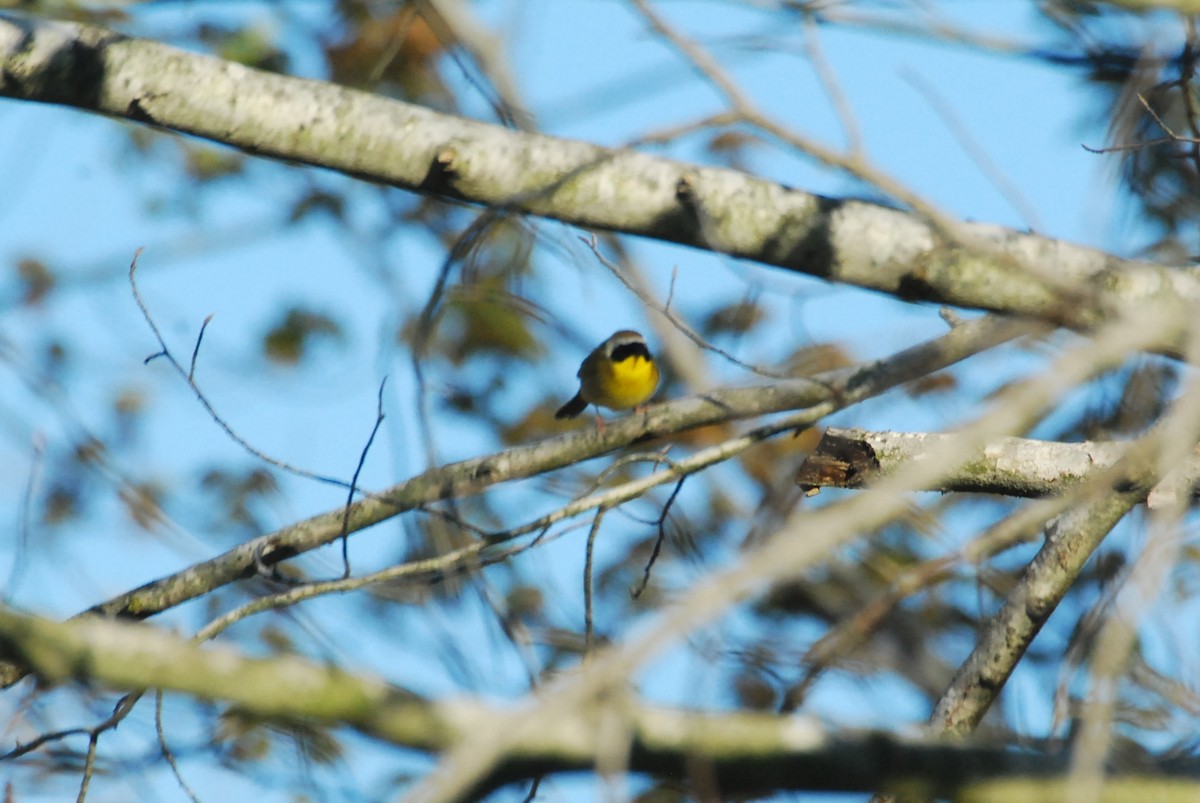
<point>187,376</point>
<point>533,790</point>
<point>166,750</point>
<point>24,523</point>
<point>196,350</point>
<point>658,542</point>
<point>120,711</point>
<point>1135,146</point>
<point>667,135</point>
<point>431,313</point>
<point>833,88</point>
<point>89,766</point>
<point>589,554</point>
<point>45,738</point>
<point>362,458</point>
<point>665,310</point>
<point>974,150</point>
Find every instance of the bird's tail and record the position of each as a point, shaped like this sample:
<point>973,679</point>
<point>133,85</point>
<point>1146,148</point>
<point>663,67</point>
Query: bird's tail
<point>572,408</point>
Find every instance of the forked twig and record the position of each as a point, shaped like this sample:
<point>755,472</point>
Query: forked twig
<point>637,590</point>
<point>188,376</point>
<point>362,458</point>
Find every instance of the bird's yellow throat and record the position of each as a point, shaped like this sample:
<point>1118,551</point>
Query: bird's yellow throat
<point>628,382</point>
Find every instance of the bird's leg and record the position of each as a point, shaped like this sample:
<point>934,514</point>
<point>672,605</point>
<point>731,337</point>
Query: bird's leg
<point>599,420</point>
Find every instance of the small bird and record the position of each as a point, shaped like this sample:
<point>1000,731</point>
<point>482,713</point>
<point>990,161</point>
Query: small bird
<point>619,374</point>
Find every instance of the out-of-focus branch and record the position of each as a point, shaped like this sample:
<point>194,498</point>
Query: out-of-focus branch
<point>454,22</point>
<point>1182,6</point>
<point>1114,646</point>
<point>1025,525</point>
<point>1070,542</point>
<point>743,752</point>
<point>1065,472</point>
<point>727,211</point>
<point>807,536</point>
<point>822,394</point>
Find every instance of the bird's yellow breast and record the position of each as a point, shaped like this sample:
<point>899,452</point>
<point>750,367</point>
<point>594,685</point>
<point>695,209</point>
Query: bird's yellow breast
<point>621,384</point>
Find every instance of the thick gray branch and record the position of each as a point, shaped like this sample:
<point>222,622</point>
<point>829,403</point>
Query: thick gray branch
<point>1122,478</point>
<point>1070,541</point>
<point>853,458</point>
<point>411,147</point>
<point>741,752</point>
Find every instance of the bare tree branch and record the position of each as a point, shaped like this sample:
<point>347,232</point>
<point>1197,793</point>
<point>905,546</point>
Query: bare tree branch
<point>803,539</point>
<point>1070,542</point>
<point>822,394</point>
<point>853,458</point>
<point>1182,6</point>
<point>746,752</point>
<point>722,210</point>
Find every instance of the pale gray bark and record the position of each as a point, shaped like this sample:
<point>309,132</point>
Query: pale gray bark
<point>728,211</point>
<point>741,752</point>
<point>1007,466</point>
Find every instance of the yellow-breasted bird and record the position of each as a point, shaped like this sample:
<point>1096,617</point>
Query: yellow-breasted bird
<point>619,374</point>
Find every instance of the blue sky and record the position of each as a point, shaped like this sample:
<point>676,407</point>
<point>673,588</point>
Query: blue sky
<point>76,196</point>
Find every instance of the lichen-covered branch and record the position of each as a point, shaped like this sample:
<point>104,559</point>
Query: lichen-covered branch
<point>741,752</point>
<point>722,210</point>
<point>853,458</point>
<point>1070,542</point>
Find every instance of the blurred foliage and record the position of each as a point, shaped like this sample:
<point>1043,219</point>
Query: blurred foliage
<point>733,319</point>
<point>1126,402</point>
<point>36,278</point>
<point>395,54</point>
<point>252,47</point>
<point>1143,75</point>
<point>492,310</point>
<point>205,163</point>
<point>60,502</point>
<point>142,504</point>
<point>237,497</point>
<point>291,339</point>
